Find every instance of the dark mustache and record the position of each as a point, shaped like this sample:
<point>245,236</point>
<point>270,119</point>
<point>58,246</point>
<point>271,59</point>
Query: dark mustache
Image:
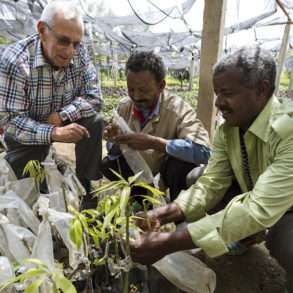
<point>224,109</point>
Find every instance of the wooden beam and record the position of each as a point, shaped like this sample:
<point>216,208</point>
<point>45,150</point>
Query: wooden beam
<point>283,9</point>
<point>211,48</point>
<point>282,56</point>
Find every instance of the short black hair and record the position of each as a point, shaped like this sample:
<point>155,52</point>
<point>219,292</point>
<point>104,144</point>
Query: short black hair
<point>149,61</point>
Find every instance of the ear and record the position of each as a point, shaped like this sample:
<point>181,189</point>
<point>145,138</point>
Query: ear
<point>264,88</point>
<point>162,84</point>
<point>41,27</point>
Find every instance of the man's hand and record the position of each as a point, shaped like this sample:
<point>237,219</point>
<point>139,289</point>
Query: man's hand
<point>149,222</point>
<point>149,247</point>
<point>152,246</point>
<point>110,132</point>
<point>70,133</point>
<point>55,119</point>
<point>142,141</point>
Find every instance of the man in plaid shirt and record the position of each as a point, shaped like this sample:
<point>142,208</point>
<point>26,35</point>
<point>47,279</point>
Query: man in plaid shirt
<point>50,93</point>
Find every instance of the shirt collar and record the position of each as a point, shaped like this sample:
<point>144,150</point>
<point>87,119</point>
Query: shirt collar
<point>40,59</point>
<point>155,112</point>
<point>262,124</point>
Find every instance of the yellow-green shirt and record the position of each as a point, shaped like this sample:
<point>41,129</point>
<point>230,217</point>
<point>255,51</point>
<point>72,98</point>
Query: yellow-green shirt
<point>269,144</point>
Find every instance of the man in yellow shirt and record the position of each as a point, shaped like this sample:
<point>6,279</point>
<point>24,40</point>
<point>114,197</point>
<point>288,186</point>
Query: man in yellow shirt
<point>254,146</point>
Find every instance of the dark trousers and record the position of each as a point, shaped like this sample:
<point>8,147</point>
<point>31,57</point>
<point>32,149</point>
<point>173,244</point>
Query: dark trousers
<point>88,151</point>
<point>172,171</point>
<point>279,240</point>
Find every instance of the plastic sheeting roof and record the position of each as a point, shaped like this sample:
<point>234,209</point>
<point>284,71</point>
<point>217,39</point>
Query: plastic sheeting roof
<point>121,34</point>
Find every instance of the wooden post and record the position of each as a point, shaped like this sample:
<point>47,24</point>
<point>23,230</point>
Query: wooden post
<point>211,48</point>
<point>282,55</point>
<point>191,71</point>
<point>290,85</point>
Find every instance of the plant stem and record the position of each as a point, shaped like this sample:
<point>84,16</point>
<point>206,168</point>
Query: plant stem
<point>126,274</point>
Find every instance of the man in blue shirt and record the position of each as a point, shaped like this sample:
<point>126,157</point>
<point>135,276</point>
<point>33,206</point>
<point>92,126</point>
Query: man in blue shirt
<point>50,93</point>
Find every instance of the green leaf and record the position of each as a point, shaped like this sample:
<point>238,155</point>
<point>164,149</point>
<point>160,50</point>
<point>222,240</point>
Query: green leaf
<point>132,179</point>
<point>33,287</point>
<point>153,190</point>
<point>9,282</point>
<point>108,218</point>
<point>63,283</point>
<point>37,262</point>
<point>118,175</point>
<point>91,213</point>
<point>83,221</point>
<point>34,272</point>
<point>100,261</point>
<point>75,232</point>
<point>124,198</point>
<point>109,186</point>
<point>150,199</point>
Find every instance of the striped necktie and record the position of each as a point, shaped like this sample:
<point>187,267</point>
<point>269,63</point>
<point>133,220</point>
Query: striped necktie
<point>245,164</point>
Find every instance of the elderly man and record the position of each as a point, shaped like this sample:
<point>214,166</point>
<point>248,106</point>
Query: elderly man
<point>50,93</point>
<point>166,131</point>
<point>254,146</point>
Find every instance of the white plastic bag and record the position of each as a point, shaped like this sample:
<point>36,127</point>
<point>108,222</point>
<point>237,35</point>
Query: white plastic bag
<point>26,189</point>
<point>61,221</point>
<point>54,178</point>
<point>14,242</point>
<point>43,247</point>
<point>134,159</point>
<point>187,272</point>
<point>6,273</point>
<point>23,212</point>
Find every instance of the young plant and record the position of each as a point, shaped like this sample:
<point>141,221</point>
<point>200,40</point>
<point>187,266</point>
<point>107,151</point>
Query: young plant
<point>109,226</point>
<point>34,277</point>
<point>34,169</point>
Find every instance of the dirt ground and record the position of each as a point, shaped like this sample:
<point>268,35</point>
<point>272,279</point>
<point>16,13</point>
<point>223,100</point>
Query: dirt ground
<point>253,272</point>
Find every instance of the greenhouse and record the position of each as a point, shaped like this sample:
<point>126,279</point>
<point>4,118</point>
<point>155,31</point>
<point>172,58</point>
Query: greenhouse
<point>145,146</point>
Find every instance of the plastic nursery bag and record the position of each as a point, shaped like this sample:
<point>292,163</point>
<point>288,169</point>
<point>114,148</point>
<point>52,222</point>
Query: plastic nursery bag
<point>23,213</point>
<point>43,248</point>
<point>53,177</point>
<point>61,221</point>
<point>26,189</point>
<point>134,159</point>
<point>187,272</point>
<point>6,273</point>
<point>15,242</point>
<point>6,173</point>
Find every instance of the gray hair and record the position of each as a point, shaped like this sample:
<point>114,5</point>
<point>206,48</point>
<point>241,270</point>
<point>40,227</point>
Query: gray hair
<point>255,63</point>
<point>69,9</point>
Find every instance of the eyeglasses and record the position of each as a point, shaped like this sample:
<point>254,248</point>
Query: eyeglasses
<point>63,40</point>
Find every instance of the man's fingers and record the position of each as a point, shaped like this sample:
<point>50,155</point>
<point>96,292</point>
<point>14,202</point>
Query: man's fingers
<point>80,131</point>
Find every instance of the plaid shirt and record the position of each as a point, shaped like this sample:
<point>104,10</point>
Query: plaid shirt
<point>30,90</point>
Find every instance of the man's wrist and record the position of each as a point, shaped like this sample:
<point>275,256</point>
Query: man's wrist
<point>180,240</point>
<point>54,134</point>
<point>159,143</point>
